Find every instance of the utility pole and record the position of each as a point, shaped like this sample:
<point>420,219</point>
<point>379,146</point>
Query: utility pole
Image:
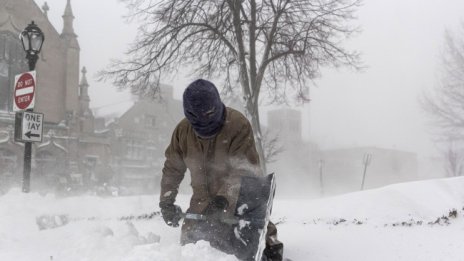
<point>321,166</point>
<point>366,161</point>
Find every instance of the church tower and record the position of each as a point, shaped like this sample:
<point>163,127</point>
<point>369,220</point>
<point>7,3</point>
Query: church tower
<point>85,114</point>
<point>72,51</point>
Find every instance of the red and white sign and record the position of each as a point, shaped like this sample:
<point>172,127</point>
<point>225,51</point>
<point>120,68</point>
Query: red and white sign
<point>24,90</point>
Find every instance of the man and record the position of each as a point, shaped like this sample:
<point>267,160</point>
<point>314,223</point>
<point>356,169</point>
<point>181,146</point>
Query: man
<point>215,143</point>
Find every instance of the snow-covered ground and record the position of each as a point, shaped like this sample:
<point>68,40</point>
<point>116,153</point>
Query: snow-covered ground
<point>397,222</point>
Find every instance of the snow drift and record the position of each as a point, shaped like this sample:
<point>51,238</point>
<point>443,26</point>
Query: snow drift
<point>397,222</point>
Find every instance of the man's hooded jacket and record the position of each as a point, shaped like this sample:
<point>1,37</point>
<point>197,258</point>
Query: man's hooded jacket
<point>215,143</point>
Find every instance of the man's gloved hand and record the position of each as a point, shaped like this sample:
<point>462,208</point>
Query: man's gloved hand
<point>217,205</point>
<point>215,230</point>
<point>171,214</point>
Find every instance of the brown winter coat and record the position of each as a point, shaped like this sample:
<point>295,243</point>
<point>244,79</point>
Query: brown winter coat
<point>215,164</point>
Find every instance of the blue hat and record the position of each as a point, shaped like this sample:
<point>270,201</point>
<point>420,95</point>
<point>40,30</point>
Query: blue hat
<point>203,108</point>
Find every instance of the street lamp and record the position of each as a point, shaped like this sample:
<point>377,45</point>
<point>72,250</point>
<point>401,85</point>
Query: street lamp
<point>32,39</point>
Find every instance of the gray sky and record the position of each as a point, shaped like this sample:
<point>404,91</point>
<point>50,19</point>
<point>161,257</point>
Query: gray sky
<point>103,35</point>
<point>401,42</point>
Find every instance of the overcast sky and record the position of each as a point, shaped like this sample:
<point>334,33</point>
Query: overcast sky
<point>401,42</point>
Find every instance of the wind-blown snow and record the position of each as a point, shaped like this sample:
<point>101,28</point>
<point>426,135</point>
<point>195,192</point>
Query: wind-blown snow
<point>390,223</point>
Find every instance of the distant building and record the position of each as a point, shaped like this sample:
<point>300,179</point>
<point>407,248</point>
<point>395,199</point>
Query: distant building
<point>139,139</point>
<point>303,169</point>
<point>287,124</point>
<point>344,168</point>
<point>71,149</point>
<point>296,165</point>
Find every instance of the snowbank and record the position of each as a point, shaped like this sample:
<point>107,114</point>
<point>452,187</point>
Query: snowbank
<point>391,223</point>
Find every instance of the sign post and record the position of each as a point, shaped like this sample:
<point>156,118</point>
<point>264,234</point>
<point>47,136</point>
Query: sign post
<point>24,101</point>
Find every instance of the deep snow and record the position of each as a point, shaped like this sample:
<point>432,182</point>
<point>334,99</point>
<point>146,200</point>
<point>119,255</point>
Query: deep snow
<point>390,223</point>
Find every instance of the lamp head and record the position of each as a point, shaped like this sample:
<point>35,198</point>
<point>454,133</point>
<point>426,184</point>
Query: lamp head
<point>32,39</point>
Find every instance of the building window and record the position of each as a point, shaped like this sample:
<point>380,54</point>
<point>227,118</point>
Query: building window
<point>90,164</point>
<point>135,150</point>
<point>12,62</point>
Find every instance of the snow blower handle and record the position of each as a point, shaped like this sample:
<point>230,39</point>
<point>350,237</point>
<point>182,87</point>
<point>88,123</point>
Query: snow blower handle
<point>201,217</point>
<point>224,219</point>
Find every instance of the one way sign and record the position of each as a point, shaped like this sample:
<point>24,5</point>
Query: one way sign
<point>29,126</point>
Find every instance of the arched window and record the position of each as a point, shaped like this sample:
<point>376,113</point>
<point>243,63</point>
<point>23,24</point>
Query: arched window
<point>12,62</point>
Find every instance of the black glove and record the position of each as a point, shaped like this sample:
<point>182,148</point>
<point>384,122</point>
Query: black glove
<point>217,205</point>
<point>215,231</point>
<point>171,214</point>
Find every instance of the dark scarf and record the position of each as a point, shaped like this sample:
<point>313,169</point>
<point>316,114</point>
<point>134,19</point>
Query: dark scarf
<point>203,108</point>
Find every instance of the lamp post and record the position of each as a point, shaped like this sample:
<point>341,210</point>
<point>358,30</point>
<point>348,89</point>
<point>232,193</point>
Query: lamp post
<point>32,39</point>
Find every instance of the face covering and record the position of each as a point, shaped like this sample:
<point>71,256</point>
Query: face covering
<point>203,108</point>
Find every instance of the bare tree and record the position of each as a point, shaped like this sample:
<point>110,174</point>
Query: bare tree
<point>271,146</point>
<point>268,43</point>
<point>445,105</point>
<point>454,159</point>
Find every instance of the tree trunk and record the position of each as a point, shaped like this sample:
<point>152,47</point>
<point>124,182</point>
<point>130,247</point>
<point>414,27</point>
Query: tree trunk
<point>253,113</point>
<point>249,82</point>
<point>255,123</point>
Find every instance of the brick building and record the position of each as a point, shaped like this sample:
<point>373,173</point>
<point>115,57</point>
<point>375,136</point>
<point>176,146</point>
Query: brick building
<point>71,148</point>
<point>139,138</point>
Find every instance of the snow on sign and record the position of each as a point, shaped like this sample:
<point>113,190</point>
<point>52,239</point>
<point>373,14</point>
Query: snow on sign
<point>24,90</point>
<point>31,126</point>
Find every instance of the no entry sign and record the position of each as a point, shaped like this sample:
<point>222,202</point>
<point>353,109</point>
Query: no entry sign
<point>24,97</point>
